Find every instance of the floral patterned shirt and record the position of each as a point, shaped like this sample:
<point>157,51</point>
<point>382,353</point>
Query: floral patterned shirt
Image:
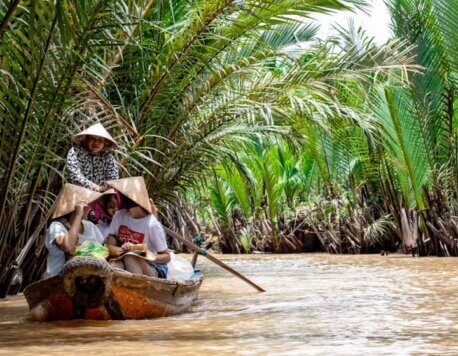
<point>84,169</point>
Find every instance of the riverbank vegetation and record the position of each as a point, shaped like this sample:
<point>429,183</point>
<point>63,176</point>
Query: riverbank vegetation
<point>248,130</point>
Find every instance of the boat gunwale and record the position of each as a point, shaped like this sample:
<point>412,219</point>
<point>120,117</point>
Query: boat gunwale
<point>144,278</point>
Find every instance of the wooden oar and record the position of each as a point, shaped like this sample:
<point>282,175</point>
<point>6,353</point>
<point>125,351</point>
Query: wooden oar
<point>197,249</point>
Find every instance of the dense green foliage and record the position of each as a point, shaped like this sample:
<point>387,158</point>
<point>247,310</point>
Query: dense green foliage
<point>233,100</point>
<point>380,171</point>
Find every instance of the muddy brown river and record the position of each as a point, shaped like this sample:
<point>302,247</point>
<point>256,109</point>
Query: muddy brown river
<point>315,304</point>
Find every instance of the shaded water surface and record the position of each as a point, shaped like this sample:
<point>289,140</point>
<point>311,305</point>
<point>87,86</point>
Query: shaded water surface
<point>314,304</point>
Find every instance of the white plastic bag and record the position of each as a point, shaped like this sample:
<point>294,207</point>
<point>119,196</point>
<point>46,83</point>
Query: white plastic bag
<point>179,268</point>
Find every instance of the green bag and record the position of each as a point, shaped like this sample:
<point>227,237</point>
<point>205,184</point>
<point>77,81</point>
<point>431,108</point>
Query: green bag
<point>91,248</point>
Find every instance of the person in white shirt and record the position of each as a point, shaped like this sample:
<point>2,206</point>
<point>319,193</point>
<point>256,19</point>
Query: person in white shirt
<point>69,227</point>
<point>137,225</point>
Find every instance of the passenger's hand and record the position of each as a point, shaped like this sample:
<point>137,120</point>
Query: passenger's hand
<point>115,251</point>
<point>79,209</point>
<point>127,246</point>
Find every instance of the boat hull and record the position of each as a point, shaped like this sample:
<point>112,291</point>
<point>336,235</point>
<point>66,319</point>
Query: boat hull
<point>123,295</point>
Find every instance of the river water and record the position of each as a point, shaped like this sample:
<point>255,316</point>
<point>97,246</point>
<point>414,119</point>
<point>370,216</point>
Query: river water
<point>315,304</point>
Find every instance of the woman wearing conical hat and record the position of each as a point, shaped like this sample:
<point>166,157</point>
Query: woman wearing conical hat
<point>89,162</point>
<point>69,227</point>
<point>136,225</point>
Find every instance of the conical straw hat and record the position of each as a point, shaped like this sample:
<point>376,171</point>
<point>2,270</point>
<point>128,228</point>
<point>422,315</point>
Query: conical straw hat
<point>95,130</point>
<point>70,196</point>
<point>135,189</point>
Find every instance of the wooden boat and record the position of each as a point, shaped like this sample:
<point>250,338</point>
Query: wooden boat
<point>88,288</point>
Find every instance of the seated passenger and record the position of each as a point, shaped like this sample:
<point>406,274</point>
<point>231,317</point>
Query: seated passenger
<point>137,225</point>
<point>103,209</point>
<point>69,227</point>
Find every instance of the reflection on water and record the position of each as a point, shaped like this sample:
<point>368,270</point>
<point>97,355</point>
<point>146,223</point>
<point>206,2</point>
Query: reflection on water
<point>314,304</point>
